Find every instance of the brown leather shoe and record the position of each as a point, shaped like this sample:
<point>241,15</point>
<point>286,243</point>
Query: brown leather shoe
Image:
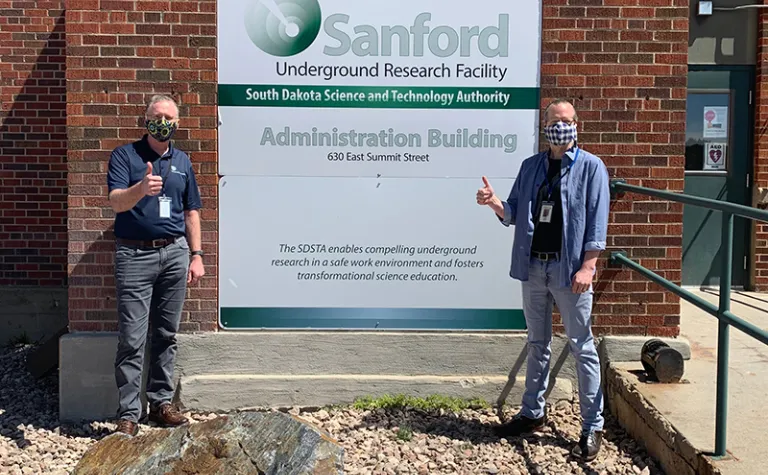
<point>167,415</point>
<point>127,427</point>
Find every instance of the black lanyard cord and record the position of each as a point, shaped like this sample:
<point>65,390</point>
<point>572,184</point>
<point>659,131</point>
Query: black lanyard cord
<point>550,184</point>
<point>167,172</point>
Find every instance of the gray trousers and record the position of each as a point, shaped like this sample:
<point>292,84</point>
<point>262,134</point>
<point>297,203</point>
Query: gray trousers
<point>151,287</point>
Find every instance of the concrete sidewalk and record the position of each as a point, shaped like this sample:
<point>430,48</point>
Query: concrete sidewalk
<point>690,407</point>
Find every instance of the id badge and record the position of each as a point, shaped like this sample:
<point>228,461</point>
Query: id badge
<point>165,207</point>
<point>546,212</point>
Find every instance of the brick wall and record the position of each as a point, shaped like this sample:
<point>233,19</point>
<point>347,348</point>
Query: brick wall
<point>119,53</point>
<point>622,62</point>
<point>33,140</point>
<point>761,150</point>
<point>624,65</point>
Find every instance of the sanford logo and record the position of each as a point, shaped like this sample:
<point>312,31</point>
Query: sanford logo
<point>288,27</point>
<point>283,27</point>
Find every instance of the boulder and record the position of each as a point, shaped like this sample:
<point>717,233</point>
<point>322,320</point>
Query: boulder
<point>245,443</point>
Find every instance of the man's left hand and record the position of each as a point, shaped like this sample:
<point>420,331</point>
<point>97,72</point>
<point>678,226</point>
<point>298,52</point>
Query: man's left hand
<point>582,281</point>
<point>196,270</point>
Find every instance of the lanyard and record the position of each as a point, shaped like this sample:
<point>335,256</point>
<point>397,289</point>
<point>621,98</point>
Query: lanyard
<point>551,186</point>
<point>167,172</point>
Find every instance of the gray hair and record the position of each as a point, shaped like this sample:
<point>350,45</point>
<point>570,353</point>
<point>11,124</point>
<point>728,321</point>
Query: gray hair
<point>558,102</point>
<point>161,98</point>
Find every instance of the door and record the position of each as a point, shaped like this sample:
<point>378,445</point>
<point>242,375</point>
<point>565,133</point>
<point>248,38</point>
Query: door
<point>718,162</point>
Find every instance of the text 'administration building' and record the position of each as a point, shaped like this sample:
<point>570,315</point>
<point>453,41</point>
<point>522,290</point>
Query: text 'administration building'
<point>338,148</point>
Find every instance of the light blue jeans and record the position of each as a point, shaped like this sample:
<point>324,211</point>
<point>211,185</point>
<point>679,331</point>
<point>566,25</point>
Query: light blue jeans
<point>539,294</point>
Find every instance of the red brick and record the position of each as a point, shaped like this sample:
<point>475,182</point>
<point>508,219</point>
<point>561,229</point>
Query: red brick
<point>612,320</point>
<point>654,69</point>
<point>608,56</point>
<point>648,320</point>
<point>630,286</point>
<point>571,35</point>
<point>138,53</point>
<point>117,29</point>
<point>654,47</point>
<point>619,69</point>
<point>635,126</point>
<point>557,69</point>
<point>671,58</point>
<point>760,159</point>
<point>671,331</point>
<point>602,35</point>
<point>33,212</point>
<point>154,52</point>
<point>571,81</point>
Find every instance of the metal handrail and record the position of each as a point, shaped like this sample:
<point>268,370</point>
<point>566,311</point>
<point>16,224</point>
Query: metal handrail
<point>620,186</point>
<point>723,311</point>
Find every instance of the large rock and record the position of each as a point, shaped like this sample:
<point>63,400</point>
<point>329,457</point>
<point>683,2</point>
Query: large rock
<point>245,443</point>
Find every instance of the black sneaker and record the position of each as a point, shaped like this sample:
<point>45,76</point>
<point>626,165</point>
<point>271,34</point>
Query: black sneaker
<point>588,446</point>
<point>520,425</point>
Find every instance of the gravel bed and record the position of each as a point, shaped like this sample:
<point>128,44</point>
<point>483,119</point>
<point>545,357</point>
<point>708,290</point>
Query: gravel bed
<point>376,442</point>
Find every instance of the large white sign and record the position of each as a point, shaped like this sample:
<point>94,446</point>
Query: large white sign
<point>361,243</point>
<point>412,143</point>
<point>399,88</point>
<point>349,123</point>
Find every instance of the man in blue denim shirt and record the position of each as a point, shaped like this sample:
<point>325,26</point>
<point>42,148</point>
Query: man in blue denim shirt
<point>559,206</point>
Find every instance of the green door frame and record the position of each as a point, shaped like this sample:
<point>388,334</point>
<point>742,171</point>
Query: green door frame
<point>736,184</point>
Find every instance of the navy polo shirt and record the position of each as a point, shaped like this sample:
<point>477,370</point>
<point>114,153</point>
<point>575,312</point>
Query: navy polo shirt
<point>128,165</point>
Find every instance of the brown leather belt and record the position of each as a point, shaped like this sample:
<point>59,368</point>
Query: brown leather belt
<point>153,244</point>
<point>546,256</point>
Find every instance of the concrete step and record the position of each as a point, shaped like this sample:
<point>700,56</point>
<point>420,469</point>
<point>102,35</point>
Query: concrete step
<point>287,352</point>
<point>677,421</point>
<point>277,368</point>
<point>216,392</point>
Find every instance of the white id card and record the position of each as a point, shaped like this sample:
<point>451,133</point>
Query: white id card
<point>165,207</point>
<point>546,212</point>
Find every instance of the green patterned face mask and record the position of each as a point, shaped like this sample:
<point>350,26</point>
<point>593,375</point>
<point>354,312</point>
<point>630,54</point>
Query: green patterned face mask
<point>161,129</point>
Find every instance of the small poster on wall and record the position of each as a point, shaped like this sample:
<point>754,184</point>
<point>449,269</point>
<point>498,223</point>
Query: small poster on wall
<point>714,156</point>
<point>715,122</point>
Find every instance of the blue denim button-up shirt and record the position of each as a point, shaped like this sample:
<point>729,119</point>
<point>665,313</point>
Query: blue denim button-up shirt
<point>585,193</point>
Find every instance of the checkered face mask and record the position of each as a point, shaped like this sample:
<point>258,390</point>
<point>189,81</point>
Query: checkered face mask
<point>162,130</point>
<point>560,133</point>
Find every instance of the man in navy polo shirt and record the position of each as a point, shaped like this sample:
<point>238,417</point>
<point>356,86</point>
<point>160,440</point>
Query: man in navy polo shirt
<point>154,193</point>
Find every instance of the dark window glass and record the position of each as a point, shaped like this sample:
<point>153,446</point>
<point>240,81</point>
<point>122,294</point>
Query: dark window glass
<point>710,110</point>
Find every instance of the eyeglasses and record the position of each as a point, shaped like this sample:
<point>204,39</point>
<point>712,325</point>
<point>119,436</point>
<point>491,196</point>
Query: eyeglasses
<point>162,116</point>
<point>566,121</point>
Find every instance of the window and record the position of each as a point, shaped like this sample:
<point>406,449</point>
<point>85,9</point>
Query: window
<point>707,132</point>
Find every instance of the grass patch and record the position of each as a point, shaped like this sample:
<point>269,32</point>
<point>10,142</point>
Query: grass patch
<point>405,434</point>
<point>19,340</point>
<point>430,403</point>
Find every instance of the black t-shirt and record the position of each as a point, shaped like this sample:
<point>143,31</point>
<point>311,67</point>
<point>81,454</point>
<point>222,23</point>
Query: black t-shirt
<point>548,237</point>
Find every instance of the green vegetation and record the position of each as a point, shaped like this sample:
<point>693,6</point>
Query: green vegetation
<point>405,434</point>
<point>20,340</point>
<point>430,403</point>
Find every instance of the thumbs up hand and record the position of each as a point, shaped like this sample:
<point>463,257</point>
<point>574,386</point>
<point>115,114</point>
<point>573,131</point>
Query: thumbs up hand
<point>151,185</point>
<point>485,194</point>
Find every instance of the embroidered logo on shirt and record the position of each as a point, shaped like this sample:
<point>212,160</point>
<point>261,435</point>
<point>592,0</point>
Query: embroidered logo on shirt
<point>175,170</point>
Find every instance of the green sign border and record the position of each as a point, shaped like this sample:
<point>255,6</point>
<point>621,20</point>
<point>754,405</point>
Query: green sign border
<point>244,318</point>
<point>520,98</point>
